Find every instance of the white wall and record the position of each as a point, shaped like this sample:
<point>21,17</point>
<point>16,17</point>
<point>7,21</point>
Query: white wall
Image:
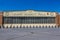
<point>30,13</point>
<point>28,25</point>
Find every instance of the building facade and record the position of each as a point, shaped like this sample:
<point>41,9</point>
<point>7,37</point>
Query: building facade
<point>29,18</point>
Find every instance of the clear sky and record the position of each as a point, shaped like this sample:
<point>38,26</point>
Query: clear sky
<point>46,5</point>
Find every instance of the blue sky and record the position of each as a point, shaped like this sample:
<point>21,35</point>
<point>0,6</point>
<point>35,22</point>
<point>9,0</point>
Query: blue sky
<point>46,5</point>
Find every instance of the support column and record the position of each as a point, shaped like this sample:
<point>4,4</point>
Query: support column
<point>57,19</point>
<point>1,18</point>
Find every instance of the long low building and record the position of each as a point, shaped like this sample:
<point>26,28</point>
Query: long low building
<point>29,18</point>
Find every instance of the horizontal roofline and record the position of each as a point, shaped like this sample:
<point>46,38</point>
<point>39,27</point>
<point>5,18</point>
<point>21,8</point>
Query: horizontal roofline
<point>27,10</point>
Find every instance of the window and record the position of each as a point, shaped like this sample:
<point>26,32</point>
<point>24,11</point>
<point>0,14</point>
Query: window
<point>15,20</point>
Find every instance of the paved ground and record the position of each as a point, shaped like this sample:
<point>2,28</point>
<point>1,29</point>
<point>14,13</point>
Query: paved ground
<point>30,34</point>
